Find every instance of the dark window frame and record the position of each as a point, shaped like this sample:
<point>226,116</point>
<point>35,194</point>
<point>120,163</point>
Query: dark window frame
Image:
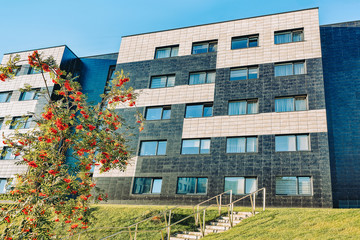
<point>209,43</point>
<point>22,121</point>
<point>172,47</point>
<point>293,69</point>
<point>199,149</point>
<point>206,76</point>
<point>247,108</point>
<point>246,140</point>
<point>291,31</point>
<point>151,186</point>
<point>245,177</point>
<point>35,96</point>
<point>296,142</point>
<point>248,38</point>
<point>247,68</point>
<point>167,107</point>
<point>8,98</point>
<point>297,186</point>
<point>204,105</point>
<point>196,188</point>
<point>157,148</point>
<point>160,76</point>
<point>4,153</point>
<point>294,105</point>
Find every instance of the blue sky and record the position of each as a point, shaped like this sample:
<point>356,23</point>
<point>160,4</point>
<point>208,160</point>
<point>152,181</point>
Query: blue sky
<point>91,27</point>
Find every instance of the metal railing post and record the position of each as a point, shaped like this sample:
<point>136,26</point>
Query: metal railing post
<point>136,228</point>
<point>168,229</point>
<point>220,205</point>
<point>203,232</point>
<point>254,207</point>
<point>264,198</point>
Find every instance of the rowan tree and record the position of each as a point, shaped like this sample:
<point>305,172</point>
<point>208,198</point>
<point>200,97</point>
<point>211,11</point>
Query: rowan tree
<point>53,194</point>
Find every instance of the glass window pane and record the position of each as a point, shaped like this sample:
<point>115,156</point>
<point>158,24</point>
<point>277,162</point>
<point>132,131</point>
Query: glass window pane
<point>253,73</point>
<point>298,36</point>
<point>163,52</point>
<point>1,122</point>
<point>201,185</point>
<point>304,185</point>
<point>186,185</point>
<point>282,37</point>
<point>236,184</point>
<point>158,82</point>
<point>299,68</point>
<point>207,111</point>
<point>253,42</point>
<point>156,185</point>
<point>251,144</point>
<point>27,95</point>
<point>5,97</point>
<point>197,78</point>
<point>238,43</point>
<point>166,114</point>
<point>161,148</point>
<point>286,186</point>
<point>300,103</point>
<point>205,146</point>
<point>194,111</point>
<point>190,146</point>
<point>153,113</point>
<point>148,148</point>
<point>252,107</point>
<point>239,74</point>
<point>285,143</point>
<point>210,78</point>
<point>284,104</point>
<point>250,185</point>
<point>213,47</point>
<point>302,142</point>
<point>283,70</point>
<point>170,81</point>
<point>142,185</point>
<point>2,185</point>
<point>27,122</point>
<point>237,108</point>
<point>235,145</point>
<point>200,48</point>
<point>174,51</point>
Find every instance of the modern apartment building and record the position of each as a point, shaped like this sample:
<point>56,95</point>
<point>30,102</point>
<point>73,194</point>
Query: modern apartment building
<point>269,101</point>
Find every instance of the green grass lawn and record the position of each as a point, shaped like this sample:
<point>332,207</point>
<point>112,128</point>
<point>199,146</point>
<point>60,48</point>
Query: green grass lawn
<point>274,223</point>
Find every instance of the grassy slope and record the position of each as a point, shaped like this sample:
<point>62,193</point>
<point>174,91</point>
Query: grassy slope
<point>297,223</point>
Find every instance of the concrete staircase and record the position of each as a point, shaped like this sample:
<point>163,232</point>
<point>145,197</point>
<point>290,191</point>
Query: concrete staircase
<point>218,225</point>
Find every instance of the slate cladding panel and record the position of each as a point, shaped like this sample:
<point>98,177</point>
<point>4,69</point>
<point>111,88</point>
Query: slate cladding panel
<point>266,164</point>
<point>341,64</point>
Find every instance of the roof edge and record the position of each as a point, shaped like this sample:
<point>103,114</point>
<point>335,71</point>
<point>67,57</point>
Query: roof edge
<point>63,45</point>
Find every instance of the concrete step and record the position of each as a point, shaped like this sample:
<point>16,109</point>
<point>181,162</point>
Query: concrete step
<point>216,227</point>
<point>227,221</point>
<point>234,218</point>
<point>178,238</point>
<point>192,233</point>
<point>208,231</point>
<point>220,224</point>
<point>187,236</point>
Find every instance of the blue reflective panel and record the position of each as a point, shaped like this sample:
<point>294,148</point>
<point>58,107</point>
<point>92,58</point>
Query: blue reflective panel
<point>200,48</point>
<point>156,185</point>
<point>190,146</point>
<point>201,185</point>
<point>238,74</point>
<point>2,185</point>
<point>166,114</point>
<point>148,148</point>
<point>5,97</point>
<point>194,111</point>
<point>238,43</point>
<point>30,95</point>
<point>205,146</point>
<point>298,36</point>
<point>253,73</point>
<point>302,142</point>
<point>197,78</point>
<point>142,185</point>
<point>250,185</point>
<point>170,81</point>
<point>158,82</point>
<point>283,70</point>
<point>253,42</point>
<point>161,148</point>
<point>299,68</point>
<point>251,144</point>
<point>300,104</point>
<point>186,185</point>
<point>285,143</point>
<point>207,111</point>
<point>153,113</point>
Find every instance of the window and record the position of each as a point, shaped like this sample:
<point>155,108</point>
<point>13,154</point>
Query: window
<point>288,143</point>
<point>296,35</point>
<point>244,42</point>
<point>244,73</point>
<point>293,186</point>
<point>33,71</point>
<point>202,77</point>
<point>5,97</point>
<point>243,107</point>
<point>147,185</point>
<point>240,185</point>
<point>3,182</point>
<point>21,122</point>
<point>110,77</point>
<point>286,69</point>
<point>192,185</point>
<point>162,81</point>
<point>165,52</point>
<point>16,71</point>
<point>152,148</point>
<point>1,122</point>
<point>204,47</point>
<point>157,113</point>
<point>30,95</point>
<point>289,104</point>
<point>198,110</point>
<point>241,144</point>
<point>196,146</point>
<point>7,154</point>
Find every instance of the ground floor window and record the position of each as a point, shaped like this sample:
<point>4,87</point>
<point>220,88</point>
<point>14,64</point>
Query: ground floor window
<point>293,186</point>
<point>147,185</point>
<point>3,182</point>
<point>192,185</point>
<point>240,185</point>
